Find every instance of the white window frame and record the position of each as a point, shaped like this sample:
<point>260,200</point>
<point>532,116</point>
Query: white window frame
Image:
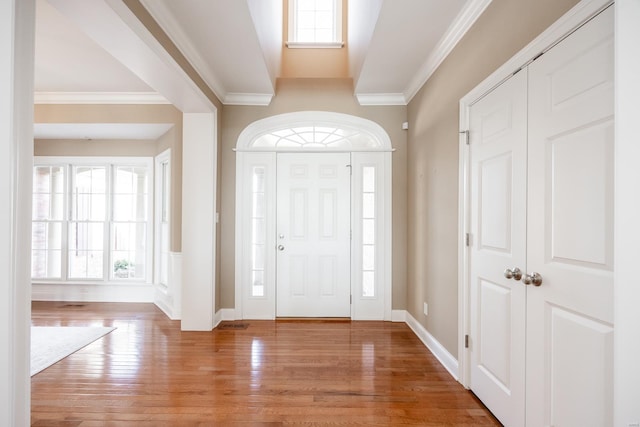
<point>293,41</point>
<point>161,159</point>
<point>110,163</point>
<point>378,155</point>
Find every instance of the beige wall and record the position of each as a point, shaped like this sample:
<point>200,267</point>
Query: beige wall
<point>504,28</point>
<point>314,63</point>
<point>323,95</point>
<point>121,114</point>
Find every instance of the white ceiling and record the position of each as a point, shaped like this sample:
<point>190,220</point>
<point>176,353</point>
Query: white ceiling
<point>235,46</point>
<point>67,60</point>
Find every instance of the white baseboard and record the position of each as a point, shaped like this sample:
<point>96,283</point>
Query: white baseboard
<point>228,313</point>
<point>93,292</point>
<point>224,314</point>
<point>444,357</point>
<point>217,318</point>
<point>165,303</point>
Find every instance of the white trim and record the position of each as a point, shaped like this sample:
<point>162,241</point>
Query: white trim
<point>381,99</point>
<point>563,26</point>
<point>627,211</point>
<point>217,318</point>
<point>225,314</point>
<point>99,98</point>
<point>159,11</point>
<point>228,313</point>
<point>87,292</point>
<point>237,98</point>
<point>462,23</point>
<point>307,118</point>
<point>162,300</point>
<point>160,159</point>
<point>444,357</point>
<point>310,45</point>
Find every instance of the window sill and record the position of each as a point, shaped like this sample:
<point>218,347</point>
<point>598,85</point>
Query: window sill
<point>309,45</point>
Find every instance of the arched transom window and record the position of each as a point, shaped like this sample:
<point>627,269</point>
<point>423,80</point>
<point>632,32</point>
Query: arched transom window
<point>314,131</point>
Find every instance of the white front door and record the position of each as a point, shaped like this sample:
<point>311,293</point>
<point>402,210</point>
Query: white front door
<point>498,152</point>
<point>570,230</point>
<point>313,235</point>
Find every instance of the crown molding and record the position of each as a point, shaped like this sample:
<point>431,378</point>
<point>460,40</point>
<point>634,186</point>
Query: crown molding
<point>381,99</point>
<point>462,23</point>
<point>260,99</point>
<point>176,34</point>
<point>99,98</point>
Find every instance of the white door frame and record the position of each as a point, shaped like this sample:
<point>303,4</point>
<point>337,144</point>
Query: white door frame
<point>568,23</point>
<point>374,150</point>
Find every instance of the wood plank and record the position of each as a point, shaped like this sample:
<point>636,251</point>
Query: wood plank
<point>273,373</point>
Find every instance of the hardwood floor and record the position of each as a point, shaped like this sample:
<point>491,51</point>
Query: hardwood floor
<point>149,373</point>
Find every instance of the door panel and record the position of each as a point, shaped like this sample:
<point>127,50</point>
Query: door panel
<point>570,229</point>
<point>498,227</point>
<point>313,228</point>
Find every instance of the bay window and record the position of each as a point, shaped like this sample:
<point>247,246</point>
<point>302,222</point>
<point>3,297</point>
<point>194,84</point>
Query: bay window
<point>91,219</point>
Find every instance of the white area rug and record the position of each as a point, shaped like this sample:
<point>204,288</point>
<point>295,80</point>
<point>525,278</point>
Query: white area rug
<point>50,344</point>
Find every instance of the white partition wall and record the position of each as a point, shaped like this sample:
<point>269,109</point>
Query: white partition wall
<point>17,18</point>
<point>198,221</point>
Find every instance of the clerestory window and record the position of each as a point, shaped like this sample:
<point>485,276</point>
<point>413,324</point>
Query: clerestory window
<point>315,23</point>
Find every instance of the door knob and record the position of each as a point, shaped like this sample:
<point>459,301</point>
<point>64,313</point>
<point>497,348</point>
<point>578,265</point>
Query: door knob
<point>516,273</point>
<point>281,247</point>
<point>534,279</point>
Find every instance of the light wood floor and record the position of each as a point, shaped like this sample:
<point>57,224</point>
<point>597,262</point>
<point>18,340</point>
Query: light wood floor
<point>149,373</point>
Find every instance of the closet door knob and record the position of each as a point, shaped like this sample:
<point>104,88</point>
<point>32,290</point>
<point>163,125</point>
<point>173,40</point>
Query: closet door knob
<point>516,273</point>
<point>534,279</point>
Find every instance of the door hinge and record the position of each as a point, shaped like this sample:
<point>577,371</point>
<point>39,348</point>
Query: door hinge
<point>466,136</point>
<point>466,341</point>
<point>350,169</point>
<point>467,239</point>
<point>350,299</point>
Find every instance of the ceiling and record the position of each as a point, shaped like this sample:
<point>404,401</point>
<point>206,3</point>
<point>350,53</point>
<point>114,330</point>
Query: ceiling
<point>102,48</point>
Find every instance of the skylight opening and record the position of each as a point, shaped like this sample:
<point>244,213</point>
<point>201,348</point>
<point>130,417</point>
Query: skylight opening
<point>315,23</point>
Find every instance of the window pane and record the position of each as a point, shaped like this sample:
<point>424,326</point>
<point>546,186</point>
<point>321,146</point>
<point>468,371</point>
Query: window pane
<point>89,198</point>
<point>368,257</point>
<point>129,250</point>
<point>46,244</point>
<point>369,179</point>
<point>258,257</point>
<point>368,205</point>
<point>368,284</point>
<point>368,231</point>
<point>257,283</point>
<point>259,231</point>
<point>258,179</point>
<point>40,206</point>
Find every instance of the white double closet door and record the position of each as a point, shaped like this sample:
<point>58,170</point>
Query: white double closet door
<point>541,193</point>
<point>313,235</point>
